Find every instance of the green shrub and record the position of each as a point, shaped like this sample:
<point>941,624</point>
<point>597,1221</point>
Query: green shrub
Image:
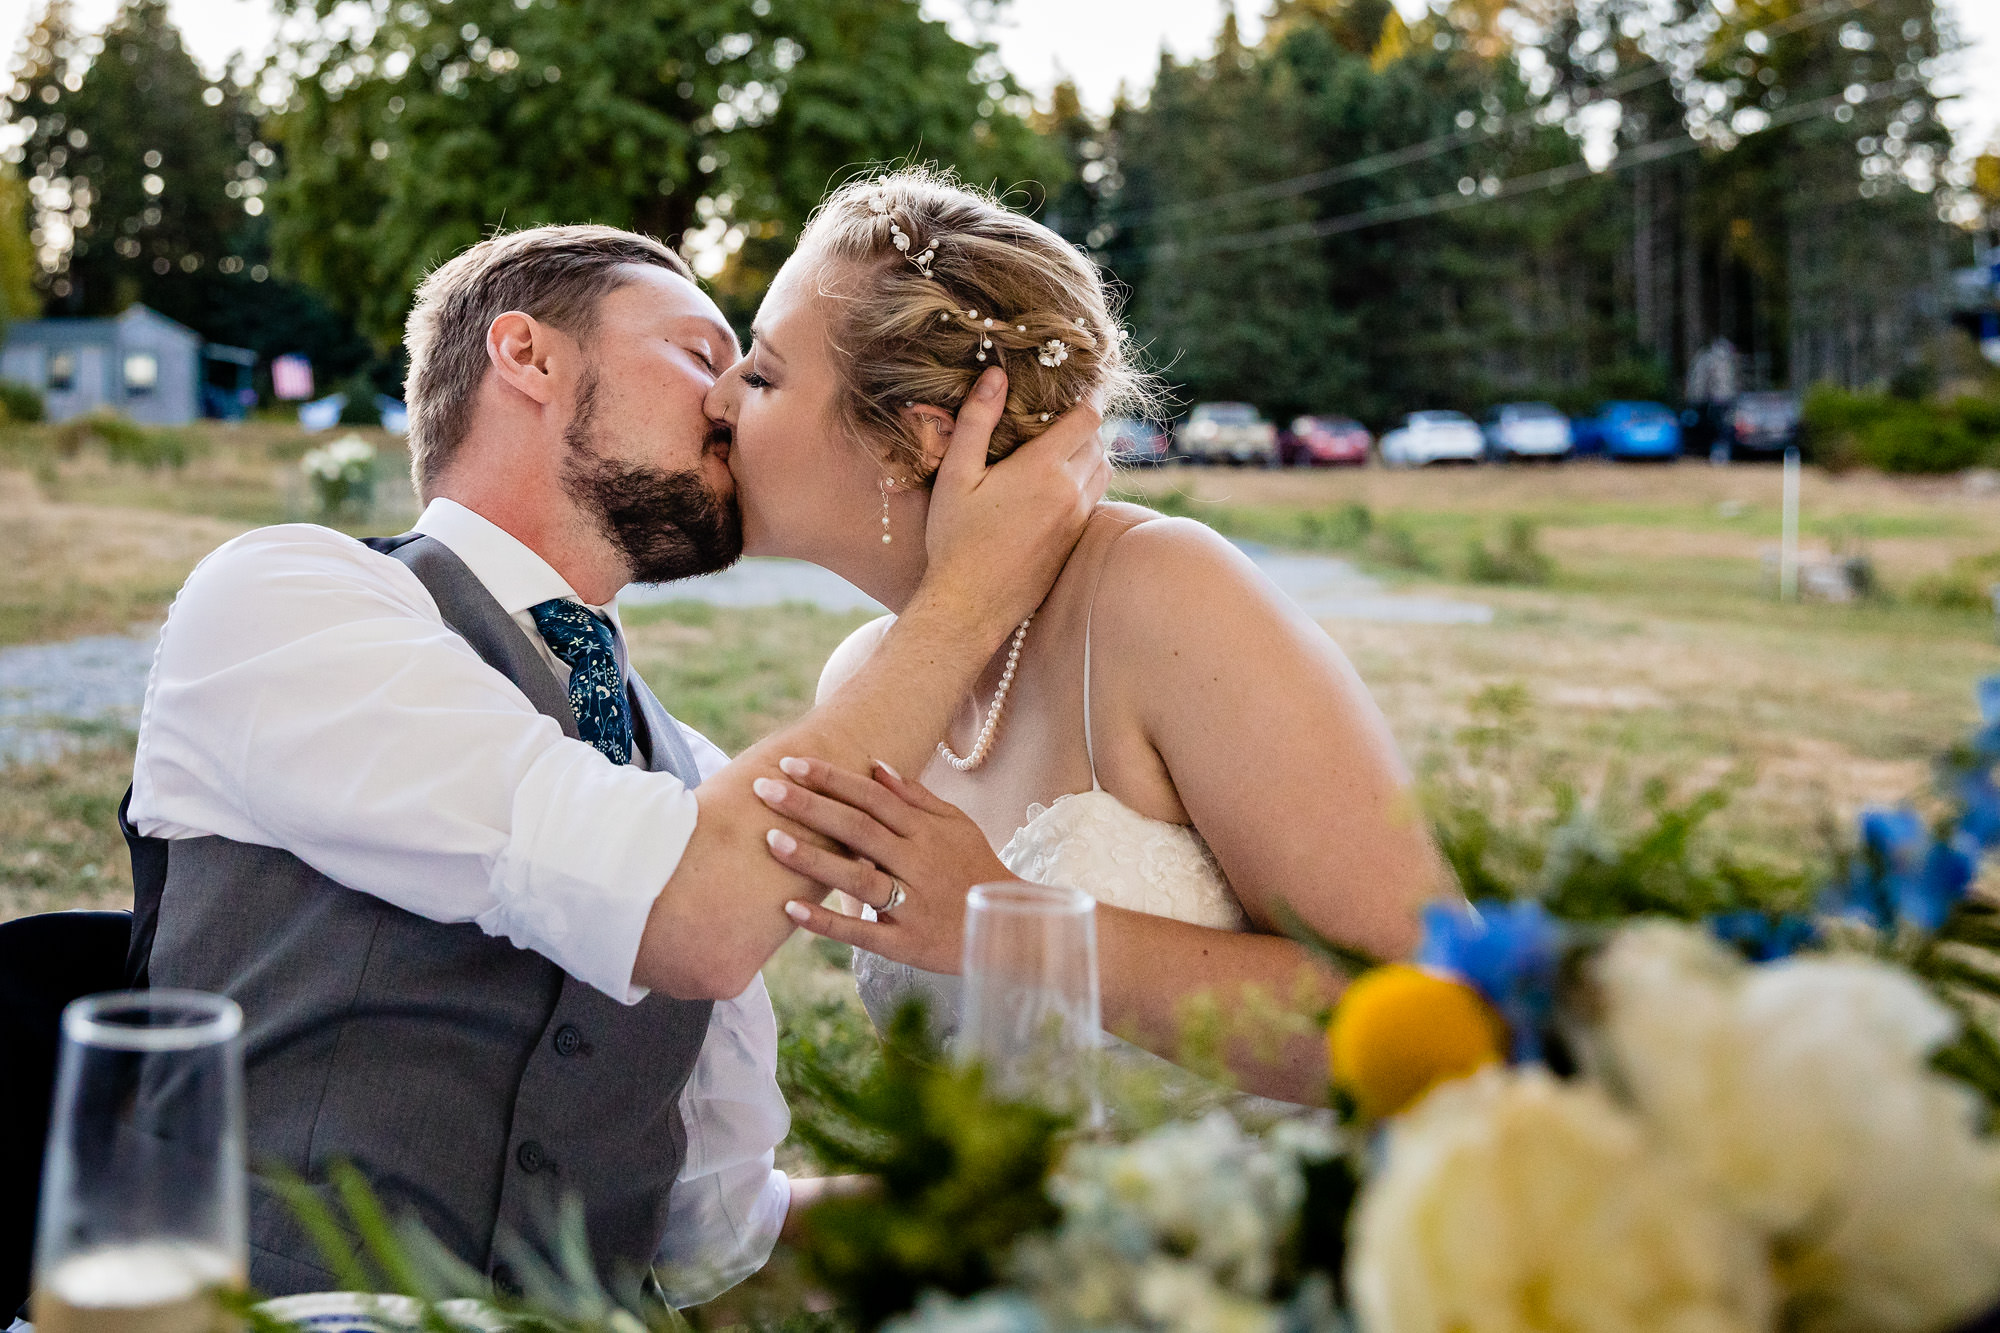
<point>1520,558</point>
<point>124,441</point>
<point>1395,545</point>
<point>1897,435</point>
<point>1964,587</point>
<point>1340,529</point>
<point>21,404</point>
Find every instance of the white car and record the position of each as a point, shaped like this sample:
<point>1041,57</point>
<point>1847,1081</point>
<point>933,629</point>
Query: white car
<point>1527,430</point>
<point>1433,437</point>
<point>1227,433</point>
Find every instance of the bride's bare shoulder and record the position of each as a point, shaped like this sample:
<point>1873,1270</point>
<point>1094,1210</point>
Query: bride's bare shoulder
<point>1175,587</point>
<point>848,657</point>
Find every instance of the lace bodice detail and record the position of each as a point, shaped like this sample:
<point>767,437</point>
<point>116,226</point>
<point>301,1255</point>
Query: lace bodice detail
<point>1087,840</point>
<point>1093,841</point>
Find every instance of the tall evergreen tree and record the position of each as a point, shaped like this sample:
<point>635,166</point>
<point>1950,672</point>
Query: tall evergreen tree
<point>133,159</point>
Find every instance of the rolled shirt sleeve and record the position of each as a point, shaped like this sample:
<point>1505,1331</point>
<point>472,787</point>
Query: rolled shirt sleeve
<point>307,695</point>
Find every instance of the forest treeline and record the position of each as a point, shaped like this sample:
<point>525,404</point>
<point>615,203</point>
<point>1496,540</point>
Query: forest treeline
<point>1562,199</point>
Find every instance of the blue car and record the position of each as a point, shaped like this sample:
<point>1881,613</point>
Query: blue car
<point>1629,430</point>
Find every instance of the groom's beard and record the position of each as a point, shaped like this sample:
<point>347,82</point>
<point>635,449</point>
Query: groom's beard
<point>668,525</point>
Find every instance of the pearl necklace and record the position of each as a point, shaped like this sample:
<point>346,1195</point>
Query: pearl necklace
<point>984,745</point>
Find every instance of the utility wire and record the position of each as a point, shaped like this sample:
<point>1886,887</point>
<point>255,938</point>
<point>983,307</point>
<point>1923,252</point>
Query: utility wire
<point>1537,180</point>
<point>1444,143</point>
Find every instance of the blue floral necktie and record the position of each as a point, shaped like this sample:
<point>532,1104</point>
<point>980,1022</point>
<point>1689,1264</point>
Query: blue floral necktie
<point>596,690</point>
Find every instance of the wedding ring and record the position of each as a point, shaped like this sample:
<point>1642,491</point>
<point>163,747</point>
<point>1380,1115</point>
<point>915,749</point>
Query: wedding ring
<point>898,895</point>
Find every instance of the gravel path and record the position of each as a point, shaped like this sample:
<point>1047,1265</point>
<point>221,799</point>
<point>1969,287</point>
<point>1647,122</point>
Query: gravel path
<point>54,694</point>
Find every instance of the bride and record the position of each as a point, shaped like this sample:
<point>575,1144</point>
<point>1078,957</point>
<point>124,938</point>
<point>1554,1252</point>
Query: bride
<point>1167,732</point>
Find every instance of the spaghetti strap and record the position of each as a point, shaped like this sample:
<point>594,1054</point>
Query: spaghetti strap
<point>1089,748</point>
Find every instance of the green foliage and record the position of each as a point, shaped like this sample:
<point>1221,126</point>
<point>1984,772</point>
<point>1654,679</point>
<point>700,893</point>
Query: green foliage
<point>1896,434</point>
<point>562,1291</point>
<point>20,404</point>
<point>1520,558</point>
<point>126,441</point>
<point>1509,831</point>
<point>1341,529</point>
<point>961,1176</point>
<point>429,125</point>
<point>1966,586</point>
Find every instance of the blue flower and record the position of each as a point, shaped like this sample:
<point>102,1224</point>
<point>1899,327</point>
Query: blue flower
<point>1902,875</point>
<point>1763,937</point>
<point>1508,952</point>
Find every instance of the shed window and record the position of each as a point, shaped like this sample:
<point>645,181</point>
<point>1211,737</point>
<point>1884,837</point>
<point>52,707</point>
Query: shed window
<point>142,372</point>
<point>62,372</point>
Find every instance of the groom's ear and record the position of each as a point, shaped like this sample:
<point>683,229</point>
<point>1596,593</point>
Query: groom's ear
<point>518,348</point>
<point>933,427</point>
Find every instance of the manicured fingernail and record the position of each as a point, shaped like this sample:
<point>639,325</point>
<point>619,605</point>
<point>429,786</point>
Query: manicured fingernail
<point>990,385</point>
<point>890,771</point>
<point>795,767</point>
<point>798,912</point>
<point>770,789</point>
<point>783,843</point>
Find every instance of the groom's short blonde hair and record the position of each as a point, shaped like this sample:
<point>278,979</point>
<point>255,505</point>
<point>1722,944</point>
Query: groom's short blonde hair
<point>555,274</point>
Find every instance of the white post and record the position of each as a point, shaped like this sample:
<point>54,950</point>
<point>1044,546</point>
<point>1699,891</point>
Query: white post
<point>1788,548</point>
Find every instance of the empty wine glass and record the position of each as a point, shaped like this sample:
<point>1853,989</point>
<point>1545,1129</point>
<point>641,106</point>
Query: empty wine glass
<point>143,1211</point>
<point>1031,1015</point>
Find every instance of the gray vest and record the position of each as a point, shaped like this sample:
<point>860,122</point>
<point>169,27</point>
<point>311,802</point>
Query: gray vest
<point>472,1082</point>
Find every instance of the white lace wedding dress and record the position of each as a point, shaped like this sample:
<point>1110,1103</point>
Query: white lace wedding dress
<point>1087,840</point>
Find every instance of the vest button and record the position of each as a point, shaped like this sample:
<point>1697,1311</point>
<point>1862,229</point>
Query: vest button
<point>530,1156</point>
<point>568,1040</point>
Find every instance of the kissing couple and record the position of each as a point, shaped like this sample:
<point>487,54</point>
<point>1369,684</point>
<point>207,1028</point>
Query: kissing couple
<point>496,919</point>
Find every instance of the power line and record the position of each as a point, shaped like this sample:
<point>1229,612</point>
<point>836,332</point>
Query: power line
<point>1360,168</point>
<point>1410,209</point>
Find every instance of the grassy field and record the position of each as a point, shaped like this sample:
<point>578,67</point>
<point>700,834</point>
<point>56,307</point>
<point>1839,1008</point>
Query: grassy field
<point>1654,647</point>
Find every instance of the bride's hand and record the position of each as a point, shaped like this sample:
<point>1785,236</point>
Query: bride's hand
<point>895,831</point>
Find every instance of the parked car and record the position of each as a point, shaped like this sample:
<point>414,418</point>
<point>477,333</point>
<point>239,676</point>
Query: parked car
<point>1433,437</point>
<point>1227,432</point>
<point>1314,440</point>
<point>1527,430</point>
<point>1763,423</point>
<point>1133,442</point>
<point>1629,430</point>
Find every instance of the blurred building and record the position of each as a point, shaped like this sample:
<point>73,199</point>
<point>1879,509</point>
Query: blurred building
<point>140,364</point>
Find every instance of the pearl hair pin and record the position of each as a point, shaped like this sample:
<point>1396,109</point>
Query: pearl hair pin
<point>984,745</point>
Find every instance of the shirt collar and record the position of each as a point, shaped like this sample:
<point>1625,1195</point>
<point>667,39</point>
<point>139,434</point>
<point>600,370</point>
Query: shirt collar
<point>509,568</point>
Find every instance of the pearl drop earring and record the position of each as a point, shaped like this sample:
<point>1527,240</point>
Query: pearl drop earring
<point>886,538</point>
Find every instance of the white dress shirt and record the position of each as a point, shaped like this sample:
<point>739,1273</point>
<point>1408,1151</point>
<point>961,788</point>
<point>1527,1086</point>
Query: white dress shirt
<point>307,695</point>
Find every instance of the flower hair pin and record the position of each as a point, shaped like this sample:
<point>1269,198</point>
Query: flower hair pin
<point>1053,353</point>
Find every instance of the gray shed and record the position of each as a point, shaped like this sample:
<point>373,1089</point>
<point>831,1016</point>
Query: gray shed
<point>140,364</point>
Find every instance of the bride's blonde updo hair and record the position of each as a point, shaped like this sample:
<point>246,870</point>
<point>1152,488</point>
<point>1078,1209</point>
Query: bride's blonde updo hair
<point>929,283</point>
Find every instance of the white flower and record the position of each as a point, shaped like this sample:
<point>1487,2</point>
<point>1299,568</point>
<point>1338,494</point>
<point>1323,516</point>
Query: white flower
<point>1053,353</point>
<point>1206,1190</point>
<point>1510,1202</point>
<point>1180,1296</point>
<point>1800,1092</point>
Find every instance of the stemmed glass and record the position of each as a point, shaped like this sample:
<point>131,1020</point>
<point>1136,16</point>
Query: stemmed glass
<point>1031,1015</point>
<point>143,1210</point>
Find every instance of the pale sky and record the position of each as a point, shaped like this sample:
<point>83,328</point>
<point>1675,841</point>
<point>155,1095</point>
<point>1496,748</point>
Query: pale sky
<point>1098,43</point>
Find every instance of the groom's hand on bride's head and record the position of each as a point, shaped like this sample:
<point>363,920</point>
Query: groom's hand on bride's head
<point>999,534</point>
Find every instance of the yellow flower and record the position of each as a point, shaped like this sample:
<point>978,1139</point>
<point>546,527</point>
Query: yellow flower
<point>1399,1031</point>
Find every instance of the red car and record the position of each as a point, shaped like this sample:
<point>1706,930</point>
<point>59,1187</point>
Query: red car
<point>1317,440</point>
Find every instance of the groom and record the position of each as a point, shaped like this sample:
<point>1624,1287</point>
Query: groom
<point>494,917</point>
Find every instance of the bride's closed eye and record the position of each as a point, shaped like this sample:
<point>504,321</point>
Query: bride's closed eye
<point>752,380</point>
